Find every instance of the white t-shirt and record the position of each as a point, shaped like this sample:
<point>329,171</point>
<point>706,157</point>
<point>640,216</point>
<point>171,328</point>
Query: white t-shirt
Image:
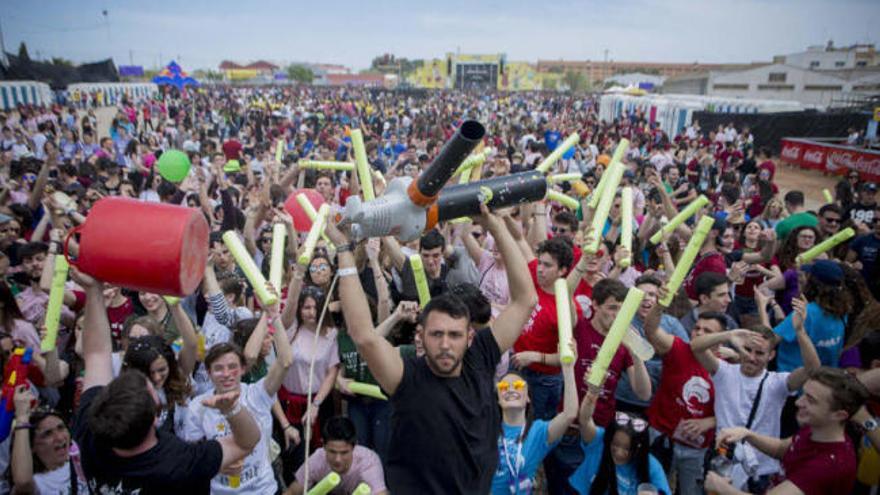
<point>734,395</point>
<point>204,422</point>
<point>58,481</point>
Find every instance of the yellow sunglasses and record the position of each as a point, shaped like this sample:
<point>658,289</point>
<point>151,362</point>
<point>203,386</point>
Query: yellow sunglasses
<point>518,385</point>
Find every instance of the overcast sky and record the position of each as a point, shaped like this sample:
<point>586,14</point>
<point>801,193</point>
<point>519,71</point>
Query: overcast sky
<point>202,33</point>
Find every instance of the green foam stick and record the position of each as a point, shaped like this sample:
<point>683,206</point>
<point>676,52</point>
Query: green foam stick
<point>826,245</point>
<point>362,489</point>
<point>279,150</point>
<point>616,161</point>
<point>363,166</point>
<point>827,195</point>
<point>560,150</point>
<point>626,221</point>
<point>615,335</point>
<point>564,177</point>
<point>367,389</point>
<point>473,160</point>
<point>687,212</point>
<point>563,320</point>
<point>247,265</point>
<point>563,199</point>
<point>687,258</point>
<point>325,485</point>
<point>276,262</point>
<point>603,209</point>
<point>309,208</point>
<point>418,269</point>
<point>326,165</point>
<point>312,237</point>
<point>56,299</point>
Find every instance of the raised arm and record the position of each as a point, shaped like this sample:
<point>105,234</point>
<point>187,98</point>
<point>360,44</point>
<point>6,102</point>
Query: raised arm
<point>585,416</point>
<point>768,236</point>
<point>810,357</point>
<point>293,290</point>
<point>560,423</point>
<point>283,351</point>
<point>22,457</point>
<point>97,345</point>
<point>515,229</point>
<point>639,378</point>
<point>702,346</point>
<point>392,247</point>
<point>538,229</point>
<point>659,339</point>
<point>383,360</point>
<point>473,247</point>
<point>523,297</point>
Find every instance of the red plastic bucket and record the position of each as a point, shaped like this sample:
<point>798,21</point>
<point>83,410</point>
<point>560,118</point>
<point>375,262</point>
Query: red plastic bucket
<point>149,247</point>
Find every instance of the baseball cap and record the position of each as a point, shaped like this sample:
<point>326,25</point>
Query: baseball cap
<point>826,271</point>
<point>869,186</point>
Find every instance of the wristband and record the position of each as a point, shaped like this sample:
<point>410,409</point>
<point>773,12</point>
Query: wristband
<point>23,426</point>
<point>235,410</point>
<point>289,426</point>
<point>347,271</point>
<point>345,248</point>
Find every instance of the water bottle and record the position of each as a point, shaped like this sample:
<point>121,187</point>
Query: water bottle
<point>722,464</point>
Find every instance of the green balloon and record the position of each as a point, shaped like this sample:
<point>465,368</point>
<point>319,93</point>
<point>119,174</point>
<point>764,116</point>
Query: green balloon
<point>174,165</point>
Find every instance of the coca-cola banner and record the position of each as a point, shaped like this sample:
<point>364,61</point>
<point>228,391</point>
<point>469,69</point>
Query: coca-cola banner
<point>830,158</point>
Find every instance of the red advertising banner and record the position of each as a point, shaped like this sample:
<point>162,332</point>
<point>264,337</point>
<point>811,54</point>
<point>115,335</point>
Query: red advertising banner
<point>830,158</point>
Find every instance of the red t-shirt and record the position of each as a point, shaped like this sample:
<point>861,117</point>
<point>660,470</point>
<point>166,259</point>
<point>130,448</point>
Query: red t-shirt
<point>712,262</point>
<point>589,341</point>
<point>232,149</point>
<point>819,468</point>
<point>541,332</point>
<point>115,315</point>
<point>685,392</point>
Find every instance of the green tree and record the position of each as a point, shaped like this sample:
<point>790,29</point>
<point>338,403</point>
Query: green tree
<point>576,81</point>
<point>300,73</point>
<point>23,51</point>
<point>62,62</point>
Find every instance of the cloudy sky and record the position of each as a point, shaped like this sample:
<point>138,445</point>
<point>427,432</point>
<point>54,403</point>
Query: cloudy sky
<point>201,33</point>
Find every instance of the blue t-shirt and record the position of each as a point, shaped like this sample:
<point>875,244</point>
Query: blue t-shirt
<point>627,482</point>
<point>826,332</point>
<point>534,449</point>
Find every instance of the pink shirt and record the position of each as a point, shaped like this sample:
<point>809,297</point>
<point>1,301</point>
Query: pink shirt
<point>326,354</point>
<point>493,283</point>
<point>33,306</point>
<point>365,468</point>
<point>23,331</point>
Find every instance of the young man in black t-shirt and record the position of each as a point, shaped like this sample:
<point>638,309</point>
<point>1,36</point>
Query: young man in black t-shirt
<point>122,452</point>
<point>445,423</point>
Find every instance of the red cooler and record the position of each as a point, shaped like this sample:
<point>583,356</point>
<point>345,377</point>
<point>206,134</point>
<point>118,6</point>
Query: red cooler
<point>149,247</point>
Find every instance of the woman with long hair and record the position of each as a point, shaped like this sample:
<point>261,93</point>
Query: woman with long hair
<point>45,460</point>
<point>522,445</point>
<point>787,284</point>
<point>156,360</point>
<point>744,293</point>
<point>773,213</point>
<point>617,458</point>
<point>13,322</point>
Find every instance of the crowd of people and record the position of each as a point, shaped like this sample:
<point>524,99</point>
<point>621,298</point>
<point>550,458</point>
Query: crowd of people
<point>761,376</point>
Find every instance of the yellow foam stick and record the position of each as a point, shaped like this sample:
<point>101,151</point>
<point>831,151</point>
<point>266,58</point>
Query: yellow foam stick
<point>485,195</point>
<point>626,221</point>
<point>460,220</point>
<point>564,200</point>
<point>465,176</point>
<point>234,480</point>
<point>827,195</point>
<point>473,160</point>
<point>367,389</point>
<point>325,485</point>
<point>604,207</point>
<point>276,262</point>
<point>279,150</point>
<point>363,166</point>
<point>200,346</point>
<point>379,177</point>
<point>687,258</point>
<point>309,208</point>
<point>247,265</point>
<point>56,299</point>
<point>312,238</point>
<point>825,245</point>
<point>346,166</point>
<point>616,161</point>
<point>615,336</point>
<point>580,188</point>
<point>418,269</point>
<point>563,320</point>
<point>560,150</point>
<point>564,177</point>
<point>362,489</point>
<point>171,300</point>
<point>688,211</point>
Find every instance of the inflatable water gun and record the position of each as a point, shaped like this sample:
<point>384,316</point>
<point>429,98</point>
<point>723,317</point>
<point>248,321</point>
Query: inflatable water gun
<point>14,375</point>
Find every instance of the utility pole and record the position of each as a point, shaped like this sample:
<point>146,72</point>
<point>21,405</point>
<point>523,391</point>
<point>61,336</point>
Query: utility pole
<point>2,44</point>
<point>130,57</point>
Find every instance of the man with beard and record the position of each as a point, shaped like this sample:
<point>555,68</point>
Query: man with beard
<point>445,422</point>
